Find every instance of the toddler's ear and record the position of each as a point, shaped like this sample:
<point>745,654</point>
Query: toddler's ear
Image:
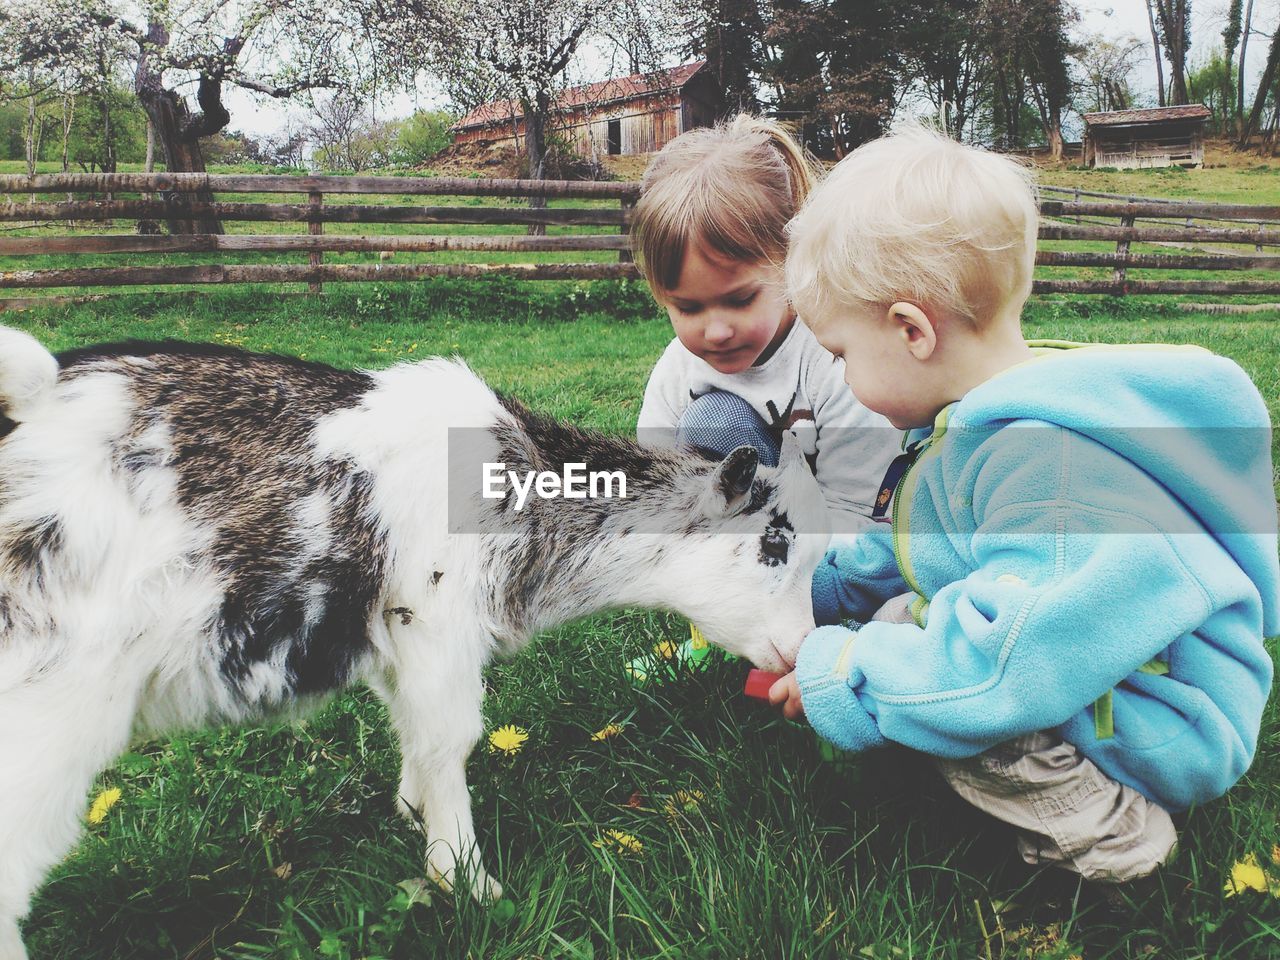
<point>915,326</point>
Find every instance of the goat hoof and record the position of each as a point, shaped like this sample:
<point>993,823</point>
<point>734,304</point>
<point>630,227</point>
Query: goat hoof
<point>483,888</point>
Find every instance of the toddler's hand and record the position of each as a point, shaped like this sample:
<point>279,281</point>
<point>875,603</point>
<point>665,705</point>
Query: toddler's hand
<point>786,694</point>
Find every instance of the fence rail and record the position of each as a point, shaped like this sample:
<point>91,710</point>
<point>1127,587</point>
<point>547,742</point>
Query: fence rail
<point>277,183</point>
<point>1193,235</point>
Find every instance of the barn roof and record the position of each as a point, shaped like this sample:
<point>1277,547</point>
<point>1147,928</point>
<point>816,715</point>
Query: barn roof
<point>616,90</point>
<point>1190,111</point>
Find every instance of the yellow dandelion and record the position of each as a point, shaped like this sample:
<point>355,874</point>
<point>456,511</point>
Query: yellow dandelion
<point>619,841</point>
<point>612,730</point>
<point>682,801</point>
<point>1248,874</point>
<point>508,740</point>
<point>696,640</point>
<point>103,804</point>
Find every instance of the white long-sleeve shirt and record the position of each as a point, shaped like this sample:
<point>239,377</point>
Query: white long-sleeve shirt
<point>801,389</point>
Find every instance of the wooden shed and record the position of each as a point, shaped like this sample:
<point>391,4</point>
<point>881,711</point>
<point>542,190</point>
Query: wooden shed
<point>1158,137</point>
<point>626,115</point>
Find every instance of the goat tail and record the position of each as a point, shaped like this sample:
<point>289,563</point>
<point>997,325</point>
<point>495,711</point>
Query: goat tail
<point>27,373</point>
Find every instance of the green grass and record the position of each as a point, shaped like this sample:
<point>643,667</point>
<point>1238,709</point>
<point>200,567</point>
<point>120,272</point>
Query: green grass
<point>280,841</point>
<point>1247,180</point>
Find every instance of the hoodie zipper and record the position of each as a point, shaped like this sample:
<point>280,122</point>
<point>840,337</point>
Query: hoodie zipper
<point>900,525</point>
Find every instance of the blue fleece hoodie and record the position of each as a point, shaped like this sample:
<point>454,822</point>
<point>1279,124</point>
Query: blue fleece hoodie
<point>1092,539</point>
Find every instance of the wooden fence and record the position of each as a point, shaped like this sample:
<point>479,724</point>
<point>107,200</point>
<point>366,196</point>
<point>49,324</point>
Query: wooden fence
<point>1175,236</point>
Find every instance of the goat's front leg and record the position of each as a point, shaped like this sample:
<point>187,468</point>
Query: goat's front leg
<point>435,710</point>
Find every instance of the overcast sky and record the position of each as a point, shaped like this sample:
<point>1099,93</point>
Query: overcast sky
<point>260,116</point>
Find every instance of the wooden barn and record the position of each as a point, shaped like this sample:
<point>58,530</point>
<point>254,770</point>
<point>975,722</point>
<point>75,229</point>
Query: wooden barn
<point>1158,137</point>
<point>622,116</point>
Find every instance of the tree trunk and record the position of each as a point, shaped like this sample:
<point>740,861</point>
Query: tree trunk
<point>1264,86</point>
<point>1244,43</point>
<point>108,137</point>
<point>1230,40</point>
<point>1173,18</point>
<point>178,132</point>
<point>1055,139</point>
<point>167,112</point>
<point>1155,45</point>
<point>30,131</point>
<point>1178,82</point>
<point>535,136</point>
<point>68,117</point>
<point>148,227</point>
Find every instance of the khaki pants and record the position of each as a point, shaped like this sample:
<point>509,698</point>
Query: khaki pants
<point>1067,812</point>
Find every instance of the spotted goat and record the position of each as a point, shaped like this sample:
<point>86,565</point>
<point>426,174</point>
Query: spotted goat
<point>194,535</point>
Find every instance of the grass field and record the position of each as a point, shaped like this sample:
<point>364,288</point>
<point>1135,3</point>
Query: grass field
<point>280,841</point>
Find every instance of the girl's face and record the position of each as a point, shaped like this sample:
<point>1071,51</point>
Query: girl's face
<point>727,312</point>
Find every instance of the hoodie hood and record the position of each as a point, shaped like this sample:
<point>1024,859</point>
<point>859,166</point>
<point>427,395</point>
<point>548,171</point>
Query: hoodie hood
<point>1191,420</point>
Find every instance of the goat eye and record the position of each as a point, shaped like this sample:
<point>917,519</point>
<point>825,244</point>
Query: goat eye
<point>774,547</point>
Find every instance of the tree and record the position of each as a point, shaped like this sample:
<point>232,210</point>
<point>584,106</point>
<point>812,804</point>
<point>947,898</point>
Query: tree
<point>1265,88</point>
<point>947,56</point>
<point>232,146</point>
<point>1026,46</point>
<point>12,120</point>
<point>109,129</point>
<point>421,136</point>
<point>1211,83</point>
<point>729,35</point>
<point>347,135</point>
<point>1230,39</point>
<point>835,69</point>
<point>287,147</point>
<point>1157,55</point>
<point>1007,50</point>
<point>1048,50</point>
<point>488,50</point>
<point>275,48</point>
<point>1174,17</point>
<point>1241,139</point>
<point>1106,67</point>
<point>313,44</point>
<point>36,122</point>
<point>635,35</point>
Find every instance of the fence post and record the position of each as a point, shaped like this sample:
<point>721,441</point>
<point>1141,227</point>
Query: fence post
<point>628,208</point>
<point>1122,250</point>
<point>315,227</point>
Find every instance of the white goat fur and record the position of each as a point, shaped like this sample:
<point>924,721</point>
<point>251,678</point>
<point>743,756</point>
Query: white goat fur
<point>115,575</point>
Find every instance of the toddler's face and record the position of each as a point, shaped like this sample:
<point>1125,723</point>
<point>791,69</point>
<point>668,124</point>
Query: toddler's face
<point>877,366</point>
<point>728,312</point>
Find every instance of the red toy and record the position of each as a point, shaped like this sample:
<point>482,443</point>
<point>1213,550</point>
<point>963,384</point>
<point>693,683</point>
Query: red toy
<point>759,682</point>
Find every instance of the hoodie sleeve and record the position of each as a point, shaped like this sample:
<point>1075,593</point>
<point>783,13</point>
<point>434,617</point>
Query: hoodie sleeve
<point>1066,601</point>
<point>856,577</point>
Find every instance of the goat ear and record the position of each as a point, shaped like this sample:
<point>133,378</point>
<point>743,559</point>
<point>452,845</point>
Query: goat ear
<point>731,481</point>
